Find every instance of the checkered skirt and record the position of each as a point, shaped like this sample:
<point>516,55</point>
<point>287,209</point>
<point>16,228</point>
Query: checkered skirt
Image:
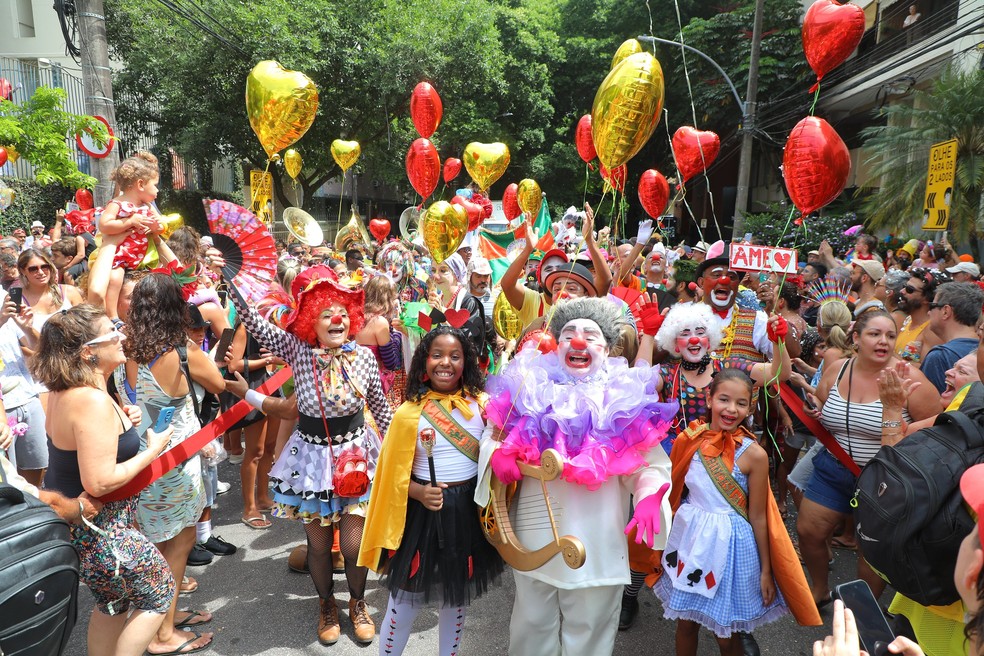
<point>737,602</point>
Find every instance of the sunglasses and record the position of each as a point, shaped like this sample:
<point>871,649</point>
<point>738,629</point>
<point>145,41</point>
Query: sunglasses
<point>34,268</point>
<point>909,289</point>
<point>934,305</point>
<point>114,336</point>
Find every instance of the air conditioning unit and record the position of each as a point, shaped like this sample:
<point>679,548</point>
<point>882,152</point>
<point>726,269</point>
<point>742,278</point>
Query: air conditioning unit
<point>44,63</point>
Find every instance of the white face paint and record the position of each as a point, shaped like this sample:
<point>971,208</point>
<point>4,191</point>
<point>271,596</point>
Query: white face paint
<point>692,345</point>
<point>581,348</point>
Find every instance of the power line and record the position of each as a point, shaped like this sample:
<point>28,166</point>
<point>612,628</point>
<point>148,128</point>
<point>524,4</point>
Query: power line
<point>169,4</point>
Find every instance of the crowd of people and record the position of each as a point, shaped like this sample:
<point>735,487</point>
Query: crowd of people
<point>645,372</point>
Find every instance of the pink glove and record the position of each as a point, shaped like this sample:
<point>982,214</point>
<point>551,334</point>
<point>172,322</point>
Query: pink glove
<point>646,518</point>
<point>504,466</point>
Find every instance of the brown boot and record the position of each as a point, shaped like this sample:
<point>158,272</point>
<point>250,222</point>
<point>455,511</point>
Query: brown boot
<point>328,628</point>
<point>365,630</point>
<point>297,560</point>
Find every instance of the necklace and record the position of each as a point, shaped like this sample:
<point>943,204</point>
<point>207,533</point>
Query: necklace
<point>728,337</point>
<point>700,366</point>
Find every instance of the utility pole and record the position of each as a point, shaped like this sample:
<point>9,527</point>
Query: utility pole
<point>748,124</point>
<point>98,86</point>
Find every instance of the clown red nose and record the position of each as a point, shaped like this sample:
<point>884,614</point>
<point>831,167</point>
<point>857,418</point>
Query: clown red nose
<point>336,319</point>
<point>578,344</point>
<point>724,280</point>
<point>694,341</point>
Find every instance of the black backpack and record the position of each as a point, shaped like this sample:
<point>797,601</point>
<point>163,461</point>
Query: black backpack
<point>39,576</point>
<point>910,514</point>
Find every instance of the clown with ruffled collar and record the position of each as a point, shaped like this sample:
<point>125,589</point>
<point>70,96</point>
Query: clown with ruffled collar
<point>606,420</point>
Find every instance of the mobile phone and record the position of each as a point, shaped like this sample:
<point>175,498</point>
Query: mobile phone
<point>873,628</point>
<point>16,296</point>
<point>809,404</point>
<point>225,341</point>
<point>164,419</point>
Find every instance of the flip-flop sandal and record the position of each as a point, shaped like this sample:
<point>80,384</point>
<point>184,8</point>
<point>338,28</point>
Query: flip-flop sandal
<point>187,585</point>
<point>258,523</point>
<point>836,543</point>
<point>181,648</point>
<point>189,620</point>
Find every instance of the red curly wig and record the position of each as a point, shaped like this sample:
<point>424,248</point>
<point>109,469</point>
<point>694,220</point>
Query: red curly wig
<point>313,300</point>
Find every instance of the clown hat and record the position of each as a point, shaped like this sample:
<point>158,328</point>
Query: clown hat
<point>315,289</point>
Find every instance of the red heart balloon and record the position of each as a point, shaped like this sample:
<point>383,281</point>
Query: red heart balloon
<point>473,210</point>
<point>426,109</point>
<point>452,167</point>
<point>83,198</point>
<point>694,150</point>
<point>654,193</point>
<point>510,206</point>
<point>815,164</point>
<point>615,177</point>
<point>380,229</point>
<point>3,156</point>
<point>583,139</point>
<point>423,166</point>
<point>831,32</point>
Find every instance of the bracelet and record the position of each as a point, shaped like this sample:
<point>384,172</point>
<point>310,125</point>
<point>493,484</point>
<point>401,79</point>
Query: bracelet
<point>895,423</point>
<point>255,399</point>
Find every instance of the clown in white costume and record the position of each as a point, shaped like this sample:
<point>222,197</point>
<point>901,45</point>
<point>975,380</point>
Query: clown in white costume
<point>606,421</point>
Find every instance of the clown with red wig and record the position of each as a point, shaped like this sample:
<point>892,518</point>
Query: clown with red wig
<point>323,475</point>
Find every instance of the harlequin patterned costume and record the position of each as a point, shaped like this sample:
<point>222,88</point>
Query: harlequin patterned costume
<point>738,340</point>
<point>132,251</point>
<point>302,475</point>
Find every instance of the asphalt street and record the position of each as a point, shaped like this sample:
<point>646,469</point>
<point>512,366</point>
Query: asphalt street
<point>261,607</point>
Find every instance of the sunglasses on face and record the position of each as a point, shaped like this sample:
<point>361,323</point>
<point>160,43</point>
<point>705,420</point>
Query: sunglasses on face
<point>34,268</point>
<point>114,336</point>
<point>909,289</point>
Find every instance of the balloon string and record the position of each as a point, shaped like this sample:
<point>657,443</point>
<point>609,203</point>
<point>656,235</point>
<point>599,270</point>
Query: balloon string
<point>816,97</point>
<point>681,187</point>
<point>341,198</point>
<point>587,178</point>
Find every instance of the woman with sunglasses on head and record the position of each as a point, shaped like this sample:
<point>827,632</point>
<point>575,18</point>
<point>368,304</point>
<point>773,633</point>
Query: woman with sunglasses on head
<point>94,450</point>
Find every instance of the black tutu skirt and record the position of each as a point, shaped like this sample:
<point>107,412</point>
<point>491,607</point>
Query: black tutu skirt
<point>453,576</point>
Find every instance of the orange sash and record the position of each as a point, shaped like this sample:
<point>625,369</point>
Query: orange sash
<point>445,424</point>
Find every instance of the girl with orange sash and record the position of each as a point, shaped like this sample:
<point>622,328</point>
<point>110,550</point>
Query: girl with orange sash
<point>727,550</point>
<point>425,537</point>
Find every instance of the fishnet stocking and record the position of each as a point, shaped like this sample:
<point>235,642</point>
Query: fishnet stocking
<point>320,539</point>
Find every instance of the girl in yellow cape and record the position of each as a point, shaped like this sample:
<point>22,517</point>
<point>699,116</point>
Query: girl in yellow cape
<point>426,537</point>
<point>727,550</point>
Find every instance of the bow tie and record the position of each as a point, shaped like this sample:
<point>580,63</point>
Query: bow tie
<point>450,402</point>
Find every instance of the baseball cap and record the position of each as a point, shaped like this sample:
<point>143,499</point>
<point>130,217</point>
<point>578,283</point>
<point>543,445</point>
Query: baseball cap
<point>553,252</point>
<point>874,269</point>
<point>966,267</point>
<point>813,253</point>
<point>37,224</point>
<point>197,320</point>
<point>478,264</point>
<point>972,489</point>
<point>575,272</point>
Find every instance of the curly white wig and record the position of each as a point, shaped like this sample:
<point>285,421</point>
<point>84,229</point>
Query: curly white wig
<point>681,317</point>
<point>600,310</point>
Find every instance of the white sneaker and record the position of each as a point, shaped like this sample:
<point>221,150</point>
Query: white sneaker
<point>222,487</point>
<point>236,458</point>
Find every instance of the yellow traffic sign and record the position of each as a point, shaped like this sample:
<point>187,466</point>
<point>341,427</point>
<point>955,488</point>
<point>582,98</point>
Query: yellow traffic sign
<point>261,191</point>
<point>939,185</point>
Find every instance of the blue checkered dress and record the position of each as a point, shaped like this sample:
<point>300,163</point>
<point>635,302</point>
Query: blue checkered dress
<point>709,536</point>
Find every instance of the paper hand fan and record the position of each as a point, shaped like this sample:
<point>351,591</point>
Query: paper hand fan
<point>632,297</point>
<point>248,248</point>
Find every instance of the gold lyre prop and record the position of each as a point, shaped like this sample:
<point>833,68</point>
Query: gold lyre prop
<point>498,527</point>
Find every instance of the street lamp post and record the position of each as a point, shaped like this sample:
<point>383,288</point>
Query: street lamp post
<point>747,107</point>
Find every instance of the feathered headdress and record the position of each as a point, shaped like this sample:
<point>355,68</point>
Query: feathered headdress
<point>829,289</point>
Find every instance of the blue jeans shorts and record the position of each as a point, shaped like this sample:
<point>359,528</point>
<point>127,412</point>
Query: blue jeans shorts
<point>832,485</point>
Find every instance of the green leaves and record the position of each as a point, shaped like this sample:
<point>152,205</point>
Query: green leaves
<point>39,129</point>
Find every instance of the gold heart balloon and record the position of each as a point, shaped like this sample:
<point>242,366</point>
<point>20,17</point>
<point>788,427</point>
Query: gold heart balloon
<point>486,163</point>
<point>293,163</point>
<point>529,197</point>
<point>281,105</point>
<point>443,226</point>
<point>626,109</point>
<point>171,222</point>
<point>628,47</point>
<point>345,153</point>
<point>12,154</point>
<point>505,319</point>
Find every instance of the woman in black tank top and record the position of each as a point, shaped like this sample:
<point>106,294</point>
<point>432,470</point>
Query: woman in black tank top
<point>94,450</point>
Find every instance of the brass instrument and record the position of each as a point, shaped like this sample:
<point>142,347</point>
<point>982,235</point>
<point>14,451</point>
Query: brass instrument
<point>303,226</point>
